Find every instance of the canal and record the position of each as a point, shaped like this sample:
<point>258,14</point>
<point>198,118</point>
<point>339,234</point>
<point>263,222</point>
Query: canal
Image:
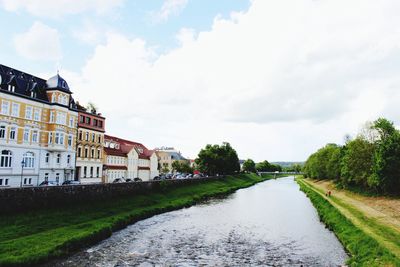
<point>270,224</point>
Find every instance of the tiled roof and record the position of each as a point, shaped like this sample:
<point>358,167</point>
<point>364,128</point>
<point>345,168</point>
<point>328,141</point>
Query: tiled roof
<point>26,83</point>
<point>125,146</point>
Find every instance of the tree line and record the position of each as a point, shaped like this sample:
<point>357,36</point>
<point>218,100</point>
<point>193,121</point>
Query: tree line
<point>371,161</point>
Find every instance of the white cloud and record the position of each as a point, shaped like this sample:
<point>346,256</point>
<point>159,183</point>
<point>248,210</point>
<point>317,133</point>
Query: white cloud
<point>169,8</point>
<point>57,8</point>
<point>40,42</point>
<point>277,82</point>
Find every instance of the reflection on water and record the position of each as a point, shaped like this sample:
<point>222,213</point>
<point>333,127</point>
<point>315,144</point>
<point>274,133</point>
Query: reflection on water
<point>269,224</point>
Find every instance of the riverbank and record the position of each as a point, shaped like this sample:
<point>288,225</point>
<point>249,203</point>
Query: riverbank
<point>369,241</point>
<point>36,237</point>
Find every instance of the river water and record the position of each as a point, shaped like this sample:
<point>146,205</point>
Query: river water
<point>270,224</point>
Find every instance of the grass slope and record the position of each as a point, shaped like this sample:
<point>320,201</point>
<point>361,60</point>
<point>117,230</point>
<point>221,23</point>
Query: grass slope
<point>364,250</point>
<point>35,237</point>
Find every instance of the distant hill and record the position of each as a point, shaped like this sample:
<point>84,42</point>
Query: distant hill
<point>285,164</point>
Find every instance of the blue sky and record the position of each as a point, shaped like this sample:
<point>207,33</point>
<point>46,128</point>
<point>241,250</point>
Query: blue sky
<point>277,79</point>
<point>133,18</point>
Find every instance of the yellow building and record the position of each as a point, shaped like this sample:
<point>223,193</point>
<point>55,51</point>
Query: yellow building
<point>166,156</point>
<point>37,129</point>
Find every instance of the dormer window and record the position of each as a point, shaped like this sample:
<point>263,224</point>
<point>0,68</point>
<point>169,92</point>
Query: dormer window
<point>53,98</point>
<point>11,88</point>
<point>33,94</point>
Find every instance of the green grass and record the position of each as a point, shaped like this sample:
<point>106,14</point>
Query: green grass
<point>38,236</point>
<point>364,250</point>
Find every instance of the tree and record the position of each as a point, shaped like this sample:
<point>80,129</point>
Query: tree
<point>182,166</point>
<point>218,159</point>
<point>249,166</point>
<point>357,162</point>
<point>325,163</point>
<point>386,169</point>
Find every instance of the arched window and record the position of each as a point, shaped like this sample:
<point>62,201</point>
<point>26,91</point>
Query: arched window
<point>68,159</point>
<point>5,159</point>
<point>47,158</point>
<point>29,160</point>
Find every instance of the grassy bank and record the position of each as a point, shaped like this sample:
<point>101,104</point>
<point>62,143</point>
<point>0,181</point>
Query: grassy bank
<point>271,176</point>
<point>364,249</point>
<point>35,237</point>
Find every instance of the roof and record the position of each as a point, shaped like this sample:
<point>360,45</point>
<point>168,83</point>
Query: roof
<point>58,83</point>
<point>115,167</point>
<point>30,86</point>
<point>174,154</point>
<point>126,146</point>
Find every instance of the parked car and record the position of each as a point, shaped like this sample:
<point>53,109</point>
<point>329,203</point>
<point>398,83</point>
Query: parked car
<point>118,180</point>
<point>168,176</point>
<point>197,176</point>
<point>71,182</point>
<point>189,176</point>
<point>48,183</point>
<point>137,179</point>
<point>129,180</point>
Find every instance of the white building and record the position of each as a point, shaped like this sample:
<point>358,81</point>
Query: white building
<point>128,160</point>
<point>37,129</point>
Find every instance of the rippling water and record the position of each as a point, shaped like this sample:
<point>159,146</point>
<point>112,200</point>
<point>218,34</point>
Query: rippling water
<point>269,224</point>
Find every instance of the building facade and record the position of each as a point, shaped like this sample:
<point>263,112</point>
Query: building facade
<point>126,159</point>
<point>37,129</point>
<point>90,140</point>
<point>166,156</point>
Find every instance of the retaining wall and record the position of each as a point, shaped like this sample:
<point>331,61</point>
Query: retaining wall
<point>31,198</point>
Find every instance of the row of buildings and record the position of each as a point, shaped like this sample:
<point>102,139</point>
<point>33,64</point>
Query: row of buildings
<point>45,135</point>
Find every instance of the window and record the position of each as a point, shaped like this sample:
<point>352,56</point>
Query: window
<point>81,119</point>
<point>87,120</point>
<point>46,177</point>
<point>57,178</point>
<point>98,153</point>
<point>52,116</point>
<point>36,114</point>
<point>26,135</point>
<point>11,88</point>
<point>61,118</point>
<point>5,159</point>
<point>2,132</point>
<point>59,139</point>
<point>98,172</point>
<point>29,160</point>
<point>15,110</point>
<point>84,171</point>
<point>4,182</point>
<point>68,159</point>
<point>79,151</point>
<point>71,122</point>
<point>93,137</point>
<point>95,122</point>
<point>35,136</point>
<point>91,172</point>
<point>92,154</point>
<point>27,181</point>
<point>58,160</point>
<point>99,138</point>
<point>50,138</point>
<point>86,152</point>
<point>101,124</point>
<point>28,112</point>
<point>53,98</point>
<point>47,158</point>
<point>5,107</point>
<point>87,136</point>
<point>13,133</point>
<point>80,135</point>
<point>69,140</point>
<point>33,94</point>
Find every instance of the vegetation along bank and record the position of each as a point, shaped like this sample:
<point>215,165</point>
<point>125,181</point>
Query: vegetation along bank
<point>38,236</point>
<point>368,242</point>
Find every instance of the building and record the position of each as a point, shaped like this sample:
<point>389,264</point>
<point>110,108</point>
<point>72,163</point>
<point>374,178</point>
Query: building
<point>166,156</point>
<point>125,159</point>
<point>37,129</point>
<point>89,161</point>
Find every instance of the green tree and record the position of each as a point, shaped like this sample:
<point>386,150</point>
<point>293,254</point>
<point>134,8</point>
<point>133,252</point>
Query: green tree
<point>386,169</point>
<point>218,159</point>
<point>325,163</point>
<point>249,166</point>
<point>182,166</point>
<point>357,162</point>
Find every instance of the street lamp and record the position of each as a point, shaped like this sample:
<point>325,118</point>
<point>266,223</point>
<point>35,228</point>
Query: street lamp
<point>22,170</point>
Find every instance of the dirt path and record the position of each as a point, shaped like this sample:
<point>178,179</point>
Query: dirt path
<point>377,213</point>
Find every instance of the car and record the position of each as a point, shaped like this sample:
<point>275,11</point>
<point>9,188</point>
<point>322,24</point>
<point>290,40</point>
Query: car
<point>48,183</point>
<point>189,176</point>
<point>157,178</point>
<point>118,180</point>
<point>71,182</point>
<point>197,176</point>
<point>128,180</point>
<point>137,179</point>
<point>168,176</point>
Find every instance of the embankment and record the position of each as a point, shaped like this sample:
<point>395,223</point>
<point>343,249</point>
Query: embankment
<point>364,249</point>
<point>34,237</point>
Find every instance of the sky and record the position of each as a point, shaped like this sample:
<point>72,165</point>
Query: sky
<point>275,78</point>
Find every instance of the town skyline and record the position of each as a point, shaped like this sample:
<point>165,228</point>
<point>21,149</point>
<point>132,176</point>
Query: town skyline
<point>253,73</point>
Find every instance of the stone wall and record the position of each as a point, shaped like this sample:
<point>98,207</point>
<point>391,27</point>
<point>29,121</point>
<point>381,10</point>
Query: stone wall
<point>31,198</point>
